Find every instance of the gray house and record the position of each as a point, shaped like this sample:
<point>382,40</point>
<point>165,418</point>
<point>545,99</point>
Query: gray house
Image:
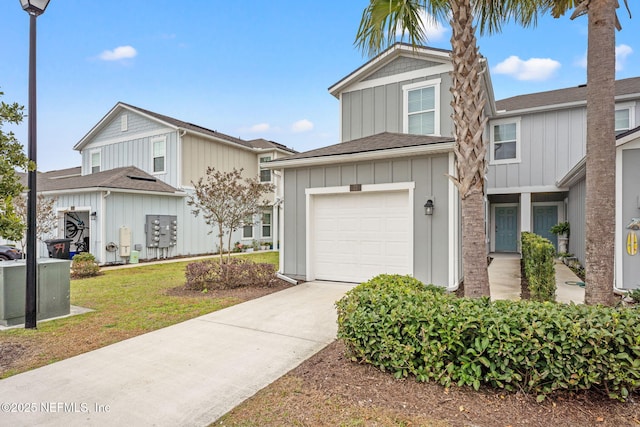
<point>132,189</point>
<point>358,208</point>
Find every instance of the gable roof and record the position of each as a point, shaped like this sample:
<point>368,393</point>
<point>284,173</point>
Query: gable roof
<point>385,144</point>
<point>384,58</point>
<point>263,144</point>
<point>166,121</point>
<point>568,96</point>
<point>127,178</point>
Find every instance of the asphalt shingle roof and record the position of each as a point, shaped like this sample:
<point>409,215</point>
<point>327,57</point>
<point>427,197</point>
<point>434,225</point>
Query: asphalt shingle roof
<point>378,142</point>
<point>127,178</point>
<point>562,96</point>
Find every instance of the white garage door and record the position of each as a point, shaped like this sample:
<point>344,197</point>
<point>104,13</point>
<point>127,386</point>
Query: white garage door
<point>356,236</point>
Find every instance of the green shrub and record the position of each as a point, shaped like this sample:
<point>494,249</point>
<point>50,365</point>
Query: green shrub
<point>634,295</point>
<point>407,328</point>
<point>235,273</point>
<point>84,265</point>
<point>539,266</point>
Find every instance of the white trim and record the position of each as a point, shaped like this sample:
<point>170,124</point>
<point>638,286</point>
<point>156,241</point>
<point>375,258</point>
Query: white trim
<point>561,106</point>
<point>270,157</point>
<point>435,148</point>
<point>532,189</point>
<point>91,154</point>
<point>435,84</point>
<point>631,108</point>
<point>130,137</point>
<point>310,194</point>
<point>454,206</point>
<point>113,190</point>
<point>409,75</point>
<point>153,141</point>
<point>385,58</point>
<point>492,124</point>
<point>629,144</point>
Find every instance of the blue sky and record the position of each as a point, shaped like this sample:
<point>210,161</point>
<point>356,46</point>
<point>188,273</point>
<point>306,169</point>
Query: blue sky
<point>251,69</point>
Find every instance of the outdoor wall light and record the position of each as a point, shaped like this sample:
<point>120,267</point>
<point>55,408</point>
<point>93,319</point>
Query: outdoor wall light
<point>94,215</point>
<point>428,207</point>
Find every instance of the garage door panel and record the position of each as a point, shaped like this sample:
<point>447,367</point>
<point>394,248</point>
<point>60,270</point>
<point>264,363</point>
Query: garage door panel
<point>358,236</point>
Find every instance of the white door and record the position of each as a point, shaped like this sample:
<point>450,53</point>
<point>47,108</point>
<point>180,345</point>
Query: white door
<point>356,236</point>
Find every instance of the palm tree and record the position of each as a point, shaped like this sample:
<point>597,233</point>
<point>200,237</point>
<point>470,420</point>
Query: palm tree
<point>377,29</point>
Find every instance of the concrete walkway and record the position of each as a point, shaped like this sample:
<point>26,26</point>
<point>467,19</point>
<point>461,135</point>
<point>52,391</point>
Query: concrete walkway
<point>187,374</point>
<point>504,279</point>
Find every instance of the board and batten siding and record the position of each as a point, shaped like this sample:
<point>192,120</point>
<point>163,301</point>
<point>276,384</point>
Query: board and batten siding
<point>379,109</point>
<point>200,153</point>
<point>431,236</point>
<point>551,143</point>
<point>576,218</point>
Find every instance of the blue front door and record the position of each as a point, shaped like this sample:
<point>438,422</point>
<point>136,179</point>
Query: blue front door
<point>506,219</point>
<point>545,217</point>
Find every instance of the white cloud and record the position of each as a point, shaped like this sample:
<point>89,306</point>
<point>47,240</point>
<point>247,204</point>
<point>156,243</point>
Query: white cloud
<point>531,69</point>
<point>622,51</point>
<point>303,125</point>
<point>121,52</point>
<point>260,127</point>
<point>433,30</point>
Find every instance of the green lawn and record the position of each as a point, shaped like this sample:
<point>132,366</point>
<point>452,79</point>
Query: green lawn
<point>125,302</point>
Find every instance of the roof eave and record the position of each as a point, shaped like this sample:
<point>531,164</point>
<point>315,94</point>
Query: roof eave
<point>436,148</point>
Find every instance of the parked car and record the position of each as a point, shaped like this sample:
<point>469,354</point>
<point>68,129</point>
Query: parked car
<point>9,252</point>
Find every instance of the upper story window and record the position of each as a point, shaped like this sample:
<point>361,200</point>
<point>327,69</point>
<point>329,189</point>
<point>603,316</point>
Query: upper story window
<point>422,108</point>
<point>505,141</point>
<point>95,161</point>
<point>265,174</point>
<point>624,118</point>
<point>159,154</point>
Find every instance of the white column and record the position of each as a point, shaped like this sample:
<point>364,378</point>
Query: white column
<point>525,211</point>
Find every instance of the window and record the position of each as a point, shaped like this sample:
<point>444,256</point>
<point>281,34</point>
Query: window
<point>247,229</point>
<point>159,155</point>
<point>265,174</point>
<point>421,106</point>
<point>95,162</point>
<point>505,141</point>
<point>266,224</point>
<point>623,122</point>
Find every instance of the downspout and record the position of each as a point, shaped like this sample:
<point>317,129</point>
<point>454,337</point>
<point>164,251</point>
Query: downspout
<point>103,227</point>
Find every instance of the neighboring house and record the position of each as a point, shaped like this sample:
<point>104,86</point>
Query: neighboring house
<point>357,208</point>
<point>131,192</point>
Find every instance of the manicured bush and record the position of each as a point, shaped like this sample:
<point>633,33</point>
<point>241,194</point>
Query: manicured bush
<point>539,266</point>
<point>407,328</point>
<point>84,265</point>
<point>234,273</point>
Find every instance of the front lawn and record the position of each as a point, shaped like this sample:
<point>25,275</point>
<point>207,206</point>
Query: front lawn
<point>126,302</point>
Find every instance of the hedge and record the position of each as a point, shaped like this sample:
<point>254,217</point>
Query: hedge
<point>400,325</point>
<point>539,266</point>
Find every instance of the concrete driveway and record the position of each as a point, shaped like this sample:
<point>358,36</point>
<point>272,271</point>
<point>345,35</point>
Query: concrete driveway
<point>188,374</point>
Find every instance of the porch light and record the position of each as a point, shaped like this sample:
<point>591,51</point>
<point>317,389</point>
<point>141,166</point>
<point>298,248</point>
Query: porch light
<point>34,7</point>
<point>428,207</point>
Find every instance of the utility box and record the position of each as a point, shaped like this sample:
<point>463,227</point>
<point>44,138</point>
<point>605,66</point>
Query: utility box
<point>52,290</point>
<point>135,257</point>
<point>162,231</point>
<point>125,241</point>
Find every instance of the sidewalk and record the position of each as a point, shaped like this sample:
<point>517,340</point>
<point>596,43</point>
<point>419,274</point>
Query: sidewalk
<point>187,374</point>
<point>504,280</point>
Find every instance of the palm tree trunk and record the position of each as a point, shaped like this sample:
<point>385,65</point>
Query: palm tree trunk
<point>470,148</point>
<point>601,154</point>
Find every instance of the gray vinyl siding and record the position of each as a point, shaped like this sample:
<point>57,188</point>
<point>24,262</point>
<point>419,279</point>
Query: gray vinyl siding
<point>134,147</point>
<point>576,218</point>
<point>431,238</point>
<point>378,109</point>
<point>630,205</point>
<point>551,143</point>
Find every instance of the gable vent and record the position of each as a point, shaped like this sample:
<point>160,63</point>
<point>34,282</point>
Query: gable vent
<point>141,178</point>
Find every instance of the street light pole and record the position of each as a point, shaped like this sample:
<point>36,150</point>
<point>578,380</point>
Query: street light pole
<point>34,8</point>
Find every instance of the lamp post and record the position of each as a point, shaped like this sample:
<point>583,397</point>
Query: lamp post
<point>34,8</point>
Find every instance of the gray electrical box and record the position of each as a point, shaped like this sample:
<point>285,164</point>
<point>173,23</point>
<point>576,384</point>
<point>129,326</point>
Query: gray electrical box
<point>162,231</point>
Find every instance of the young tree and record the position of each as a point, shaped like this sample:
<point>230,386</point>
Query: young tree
<point>46,217</point>
<point>11,157</point>
<point>226,200</point>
